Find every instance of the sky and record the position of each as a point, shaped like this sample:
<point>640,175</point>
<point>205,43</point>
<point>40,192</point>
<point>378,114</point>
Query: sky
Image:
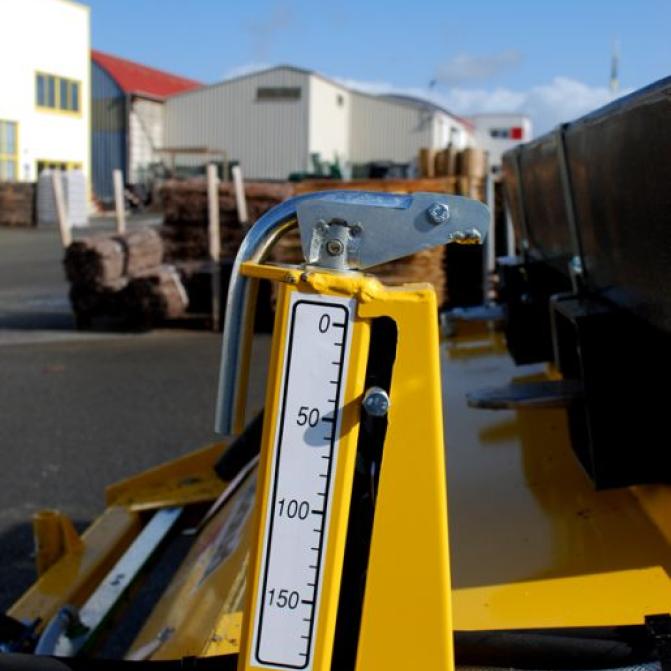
<point>550,60</point>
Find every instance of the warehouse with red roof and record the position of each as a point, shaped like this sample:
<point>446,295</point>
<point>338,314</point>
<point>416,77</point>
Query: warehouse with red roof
<point>127,119</point>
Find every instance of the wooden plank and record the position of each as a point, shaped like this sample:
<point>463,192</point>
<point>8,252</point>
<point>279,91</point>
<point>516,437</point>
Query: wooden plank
<point>119,202</point>
<point>61,212</point>
<point>214,230</point>
<point>240,200</point>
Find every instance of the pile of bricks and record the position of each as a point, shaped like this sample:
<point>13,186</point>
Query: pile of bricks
<point>17,204</point>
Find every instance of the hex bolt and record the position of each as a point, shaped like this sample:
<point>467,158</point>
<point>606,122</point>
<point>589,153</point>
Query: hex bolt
<point>576,265</point>
<point>376,402</point>
<point>334,247</point>
<point>438,213</point>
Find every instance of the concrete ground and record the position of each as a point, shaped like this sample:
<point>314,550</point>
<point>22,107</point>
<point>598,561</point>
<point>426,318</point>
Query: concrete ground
<point>81,410</point>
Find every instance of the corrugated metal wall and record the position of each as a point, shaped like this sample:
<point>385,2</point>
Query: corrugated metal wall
<point>109,131</point>
<point>268,138</point>
<point>145,137</point>
<point>387,131</point>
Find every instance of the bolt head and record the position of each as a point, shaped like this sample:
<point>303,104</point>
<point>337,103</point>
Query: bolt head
<point>376,402</point>
<point>438,213</point>
<point>334,247</point>
<point>474,235</point>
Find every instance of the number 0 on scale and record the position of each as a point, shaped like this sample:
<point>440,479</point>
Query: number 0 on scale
<point>304,461</point>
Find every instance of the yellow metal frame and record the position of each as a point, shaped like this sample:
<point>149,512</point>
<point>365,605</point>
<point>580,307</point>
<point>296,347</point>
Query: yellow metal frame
<point>77,573</point>
<point>533,544</point>
<point>57,109</point>
<point>406,526</point>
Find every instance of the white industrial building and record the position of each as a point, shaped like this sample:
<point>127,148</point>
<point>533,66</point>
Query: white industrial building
<point>275,121</point>
<point>496,133</point>
<point>45,83</point>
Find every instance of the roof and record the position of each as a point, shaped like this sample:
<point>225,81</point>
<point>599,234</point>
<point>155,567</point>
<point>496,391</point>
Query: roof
<point>425,104</point>
<point>138,79</point>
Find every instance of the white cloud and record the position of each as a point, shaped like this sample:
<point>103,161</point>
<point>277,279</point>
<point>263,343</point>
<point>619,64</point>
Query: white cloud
<point>562,99</point>
<point>467,67</point>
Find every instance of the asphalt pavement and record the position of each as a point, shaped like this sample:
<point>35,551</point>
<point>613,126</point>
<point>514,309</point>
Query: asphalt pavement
<point>79,410</point>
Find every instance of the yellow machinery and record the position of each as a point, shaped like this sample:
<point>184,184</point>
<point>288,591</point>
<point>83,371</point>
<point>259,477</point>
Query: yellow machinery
<point>317,537</point>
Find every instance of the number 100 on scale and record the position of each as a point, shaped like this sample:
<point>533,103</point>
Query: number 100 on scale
<point>304,459</point>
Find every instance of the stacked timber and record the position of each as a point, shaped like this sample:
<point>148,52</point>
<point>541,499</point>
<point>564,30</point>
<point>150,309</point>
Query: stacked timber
<point>186,237</point>
<point>17,204</point>
<point>467,169</point>
<point>185,225</point>
<point>104,259</point>
<point>155,295</point>
<point>122,277</point>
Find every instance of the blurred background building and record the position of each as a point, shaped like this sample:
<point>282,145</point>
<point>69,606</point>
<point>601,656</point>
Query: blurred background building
<point>127,119</point>
<point>286,120</point>
<point>65,106</point>
<point>45,77</point>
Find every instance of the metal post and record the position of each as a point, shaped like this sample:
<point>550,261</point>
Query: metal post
<point>489,251</point>
<point>119,202</point>
<point>511,243</point>
<point>214,241</point>
<point>577,266</point>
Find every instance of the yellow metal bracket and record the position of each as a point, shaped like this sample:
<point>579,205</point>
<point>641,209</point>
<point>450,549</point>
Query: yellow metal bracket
<point>410,519</point>
<point>54,535</point>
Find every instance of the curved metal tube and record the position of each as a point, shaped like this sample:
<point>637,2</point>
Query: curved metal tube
<point>239,318</point>
<point>56,627</point>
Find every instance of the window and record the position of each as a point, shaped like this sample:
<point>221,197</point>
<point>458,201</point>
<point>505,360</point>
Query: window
<point>57,165</point>
<point>276,93</point>
<point>57,93</point>
<point>514,133</point>
<point>8,150</point>
<point>340,100</point>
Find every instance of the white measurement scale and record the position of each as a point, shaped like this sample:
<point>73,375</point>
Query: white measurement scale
<point>304,463</point>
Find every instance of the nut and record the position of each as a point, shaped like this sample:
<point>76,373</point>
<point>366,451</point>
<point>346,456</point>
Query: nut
<point>438,213</point>
<point>334,247</point>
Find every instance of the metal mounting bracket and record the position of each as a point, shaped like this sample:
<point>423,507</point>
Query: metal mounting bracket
<point>359,234</point>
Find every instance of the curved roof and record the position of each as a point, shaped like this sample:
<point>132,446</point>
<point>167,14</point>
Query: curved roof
<point>426,104</point>
<point>142,80</point>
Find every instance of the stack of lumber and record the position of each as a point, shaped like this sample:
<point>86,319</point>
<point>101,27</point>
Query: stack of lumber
<point>17,204</point>
<point>123,277</point>
<point>103,259</point>
<point>466,169</point>
<point>154,295</point>
<point>430,184</point>
<point>185,226</point>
